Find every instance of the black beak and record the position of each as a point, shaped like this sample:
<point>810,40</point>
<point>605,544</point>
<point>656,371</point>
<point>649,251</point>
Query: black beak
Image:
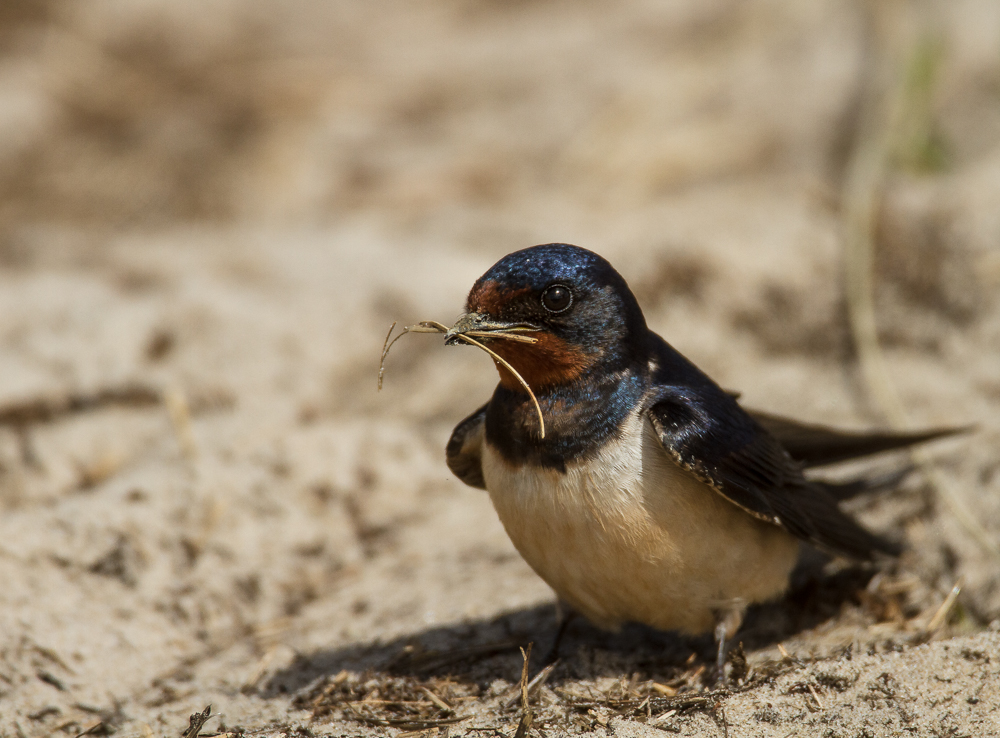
<point>479,323</point>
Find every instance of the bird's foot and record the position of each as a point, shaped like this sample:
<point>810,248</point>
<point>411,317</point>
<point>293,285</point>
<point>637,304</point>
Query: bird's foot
<point>565,617</point>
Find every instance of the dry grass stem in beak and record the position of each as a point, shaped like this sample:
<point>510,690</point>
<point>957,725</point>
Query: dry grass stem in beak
<point>432,326</point>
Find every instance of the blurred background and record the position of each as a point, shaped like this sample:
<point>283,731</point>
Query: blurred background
<point>226,204</point>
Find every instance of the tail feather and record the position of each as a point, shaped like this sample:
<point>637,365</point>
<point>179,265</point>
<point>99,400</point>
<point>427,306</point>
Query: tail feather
<point>817,445</point>
<point>862,485</point>
<point>815,517</point>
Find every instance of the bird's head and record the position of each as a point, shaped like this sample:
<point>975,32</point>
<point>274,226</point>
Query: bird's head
<point>578,309</point>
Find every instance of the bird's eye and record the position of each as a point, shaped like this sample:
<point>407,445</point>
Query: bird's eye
<point>557,298</point>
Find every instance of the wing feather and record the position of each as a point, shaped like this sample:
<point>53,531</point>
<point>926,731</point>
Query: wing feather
<point>464,452</point>
<point>707,433</point>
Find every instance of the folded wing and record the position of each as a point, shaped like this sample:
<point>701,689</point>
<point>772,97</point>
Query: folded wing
<point>464,452</point>
<point>709,435</point>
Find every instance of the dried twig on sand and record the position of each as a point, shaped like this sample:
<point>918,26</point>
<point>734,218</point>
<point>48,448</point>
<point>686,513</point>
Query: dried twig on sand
<point>524,724</point>
<point>196,722</point>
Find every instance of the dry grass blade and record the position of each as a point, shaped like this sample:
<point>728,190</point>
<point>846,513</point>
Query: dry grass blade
<point>385,351</point>
<point>524,724</point>
<point>405,703</point>
<point>534,685</point>
<point>432,326</point>
<point>512,370</point>
<point>700,700</point>
<point>815,696</point>
<point>942,612</point>
<point>437,700</point>
<point>409,724</point>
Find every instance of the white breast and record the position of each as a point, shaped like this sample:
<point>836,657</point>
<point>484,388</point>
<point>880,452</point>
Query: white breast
<point>630,536</point>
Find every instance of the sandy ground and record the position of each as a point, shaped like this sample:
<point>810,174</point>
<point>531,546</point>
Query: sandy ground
<point>210,216</point>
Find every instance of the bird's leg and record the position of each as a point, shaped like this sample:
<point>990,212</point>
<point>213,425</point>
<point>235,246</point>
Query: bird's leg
<point>564,616</point>
<point>729,622</point>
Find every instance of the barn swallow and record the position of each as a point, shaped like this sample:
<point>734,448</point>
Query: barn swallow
<point>651,495</point>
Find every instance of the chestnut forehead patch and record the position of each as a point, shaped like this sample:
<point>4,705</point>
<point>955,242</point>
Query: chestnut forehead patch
<point>490,297</point>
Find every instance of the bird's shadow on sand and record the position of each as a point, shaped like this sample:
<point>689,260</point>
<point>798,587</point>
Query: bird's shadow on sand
<point>485,650</point>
